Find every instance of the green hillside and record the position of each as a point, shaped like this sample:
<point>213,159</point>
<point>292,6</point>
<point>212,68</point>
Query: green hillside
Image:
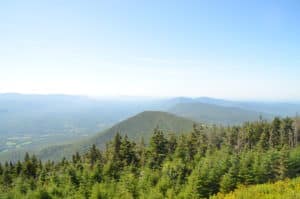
<point>210,113</point>
<point>136,127</point>
<point>207,162</point>
<point>287,189</point>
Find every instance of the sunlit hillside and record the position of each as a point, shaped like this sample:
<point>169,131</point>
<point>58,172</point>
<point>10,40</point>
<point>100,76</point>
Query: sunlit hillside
<point>285,189</point>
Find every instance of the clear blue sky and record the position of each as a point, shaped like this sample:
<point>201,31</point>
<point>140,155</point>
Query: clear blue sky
<point>226,49</point>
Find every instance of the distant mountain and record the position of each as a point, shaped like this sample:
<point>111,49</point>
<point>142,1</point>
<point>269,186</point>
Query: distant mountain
<point>29,122</point>
<point>271,107</point>
<point>214,114</point>
<point>39,114</point>
<point>136,127</point>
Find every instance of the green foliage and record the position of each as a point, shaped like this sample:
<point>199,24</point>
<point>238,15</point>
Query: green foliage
<point>287,189</point>
<point>207,161</point>
<point>136,127</point>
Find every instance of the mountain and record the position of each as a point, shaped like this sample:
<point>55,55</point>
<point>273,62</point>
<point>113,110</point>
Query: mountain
<point>136,127</point>
<point>214,114</point>
<point>271,107</point>
<point>29,122</point>
<point>49,114</point>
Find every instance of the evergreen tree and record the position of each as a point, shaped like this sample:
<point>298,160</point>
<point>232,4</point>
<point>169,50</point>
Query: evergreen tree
<point>117,146</point>
<point>1,169</point>
<point>127,152</point>
<point>264,141</point>
<point>275,134</point>
<point>94,155</point>
<point>158,148</point>
<point>182,148</point>
<point>6,179</point>
<point>30,167</point>
<point>199,164</point>
<point>18,168</point>
<point>230,180</point>
<point>172,143</point>
<point>74,179</point>
<point>246,174</point>
<point>141,152</point>
<point>287,132</point>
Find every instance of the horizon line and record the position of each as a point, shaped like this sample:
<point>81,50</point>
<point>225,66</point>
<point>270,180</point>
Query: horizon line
<point>158,97</point>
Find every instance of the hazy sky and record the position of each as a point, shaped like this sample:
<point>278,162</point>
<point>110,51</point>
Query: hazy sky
<point>227,49</point>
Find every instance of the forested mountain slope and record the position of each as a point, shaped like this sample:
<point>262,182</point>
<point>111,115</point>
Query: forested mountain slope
<point>30,122</point>
<point>136,127</point>
<point>207,161</point>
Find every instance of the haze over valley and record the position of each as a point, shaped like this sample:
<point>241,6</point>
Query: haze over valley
<point>35,122</point>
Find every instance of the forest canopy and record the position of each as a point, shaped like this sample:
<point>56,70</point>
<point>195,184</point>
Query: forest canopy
<point>207,161</point>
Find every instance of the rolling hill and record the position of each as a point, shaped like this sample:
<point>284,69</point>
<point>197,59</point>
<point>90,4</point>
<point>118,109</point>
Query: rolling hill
<point>214,114</point>
<point>136,127</point>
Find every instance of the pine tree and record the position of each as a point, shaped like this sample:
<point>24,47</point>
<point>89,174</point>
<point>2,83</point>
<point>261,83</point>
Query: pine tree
<point>117,146</point>
<point>192,145</point>
<point>201,139</point>
<point>94,155</point>
<point>297,131</point>
<point>158,148</point>
<point>30,166</point>
<point>230,180</point>
<point>287,132</point>
<point>1,169</point>
<point>246,174</point>
<point>127,152</point>
<point>182,148</point>
<point>283,163</point>
<point>27,157</point>
<point>76,158</point>
<point>74,179</point>
<point>275,133</point>
<point>6,178</point>
<point>141,151</point>
<point>172,143</point>
<point>228,183</point>
<point>18,168</point>
<point>263,142</point>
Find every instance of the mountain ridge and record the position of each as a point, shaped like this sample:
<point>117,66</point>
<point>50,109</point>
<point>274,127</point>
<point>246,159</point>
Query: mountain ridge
<point>215,114</point>
<point>135,127</point>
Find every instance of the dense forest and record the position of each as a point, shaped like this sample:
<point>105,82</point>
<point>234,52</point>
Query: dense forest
<point>210,161</point>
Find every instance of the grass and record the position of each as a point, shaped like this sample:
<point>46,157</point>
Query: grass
<point>287,189</point>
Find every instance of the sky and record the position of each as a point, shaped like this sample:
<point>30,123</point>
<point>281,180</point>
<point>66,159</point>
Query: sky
<point>224,49</point>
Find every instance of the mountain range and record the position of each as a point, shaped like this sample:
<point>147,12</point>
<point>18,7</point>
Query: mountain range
<point>37,122</point>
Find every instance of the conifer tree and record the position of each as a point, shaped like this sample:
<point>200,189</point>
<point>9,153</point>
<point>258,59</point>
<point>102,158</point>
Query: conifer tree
<point>6,179</point>
<point>93,155</point>
<point>158,148</point>
<point>141,152</point>
<point>1,169</point>
<point>275,134</point>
